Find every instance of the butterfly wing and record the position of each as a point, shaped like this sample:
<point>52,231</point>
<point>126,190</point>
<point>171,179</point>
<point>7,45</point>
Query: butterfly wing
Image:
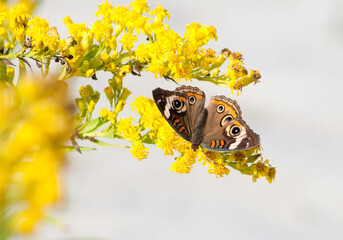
<point>196,103</point>
<point>225,130</point>
<point>180,107</point>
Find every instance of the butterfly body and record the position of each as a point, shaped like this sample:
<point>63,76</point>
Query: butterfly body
<point>217,127</point>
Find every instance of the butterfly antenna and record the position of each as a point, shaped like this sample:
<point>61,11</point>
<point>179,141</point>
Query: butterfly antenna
<point>170,79</point>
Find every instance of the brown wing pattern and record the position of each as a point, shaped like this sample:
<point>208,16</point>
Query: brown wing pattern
<point>225,130</point>
<point>180,107</point>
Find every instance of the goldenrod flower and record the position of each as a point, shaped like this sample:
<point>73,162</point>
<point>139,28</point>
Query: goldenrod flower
<point>271,175</point>
<point>181,166</point>
<point>218,169</point>
<point>127,130</point>
<point>160,13</point>
<point>259,170</point>
<point>18,17</point>
<point>138,150</point>
<point>139,6</point>
<point>101,30</point>
<point>127,40</point>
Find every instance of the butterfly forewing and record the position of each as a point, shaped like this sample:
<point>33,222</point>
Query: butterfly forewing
<point>173,107</point>
<point>196,103</point>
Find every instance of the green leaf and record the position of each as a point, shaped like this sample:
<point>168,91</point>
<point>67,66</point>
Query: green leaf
<point>94,125</point>
<point>94,51</point>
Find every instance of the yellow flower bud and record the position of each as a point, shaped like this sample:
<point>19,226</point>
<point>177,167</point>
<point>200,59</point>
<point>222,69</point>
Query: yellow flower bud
<point>104,113</point>
<point>112,40</point>
<point>81,104</point>
<point>119,82</point>
<point>91,106</point>
<point>205,72</point>
<point>215,72</point>
<point>109,93</point>
<point>114,54</point>
<point>112,67</point>
<point>87,40</point>
<point>120,105</point>
<point>96,97</point>
<point>118,30</point>
<point>218,61</point>
<point>86,92</point>
<point>104,57</point>
<point>113,83</point>
<point>85,66</point>
<point>124,70</point>
<point>125,94</point>
<point>90,89</point>
<point>111,116</point>
<point>90,73</point>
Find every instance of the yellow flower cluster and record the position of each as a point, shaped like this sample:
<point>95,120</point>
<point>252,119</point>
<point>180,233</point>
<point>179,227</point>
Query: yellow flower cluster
<point>34,123</point>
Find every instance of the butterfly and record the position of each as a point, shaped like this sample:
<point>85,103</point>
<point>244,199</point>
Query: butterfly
<point>218,127</point>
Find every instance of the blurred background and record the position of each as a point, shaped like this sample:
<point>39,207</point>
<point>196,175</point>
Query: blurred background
<point>296,109</point>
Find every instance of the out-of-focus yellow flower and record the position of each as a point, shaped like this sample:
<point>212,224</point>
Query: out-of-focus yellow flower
<point>34,123</point>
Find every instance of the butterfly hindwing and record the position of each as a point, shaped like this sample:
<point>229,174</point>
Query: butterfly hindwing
<point>235,135</point>
<point>224,129</point>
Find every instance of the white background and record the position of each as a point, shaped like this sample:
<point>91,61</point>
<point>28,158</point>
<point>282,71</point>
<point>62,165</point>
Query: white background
<point>296,109</point>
